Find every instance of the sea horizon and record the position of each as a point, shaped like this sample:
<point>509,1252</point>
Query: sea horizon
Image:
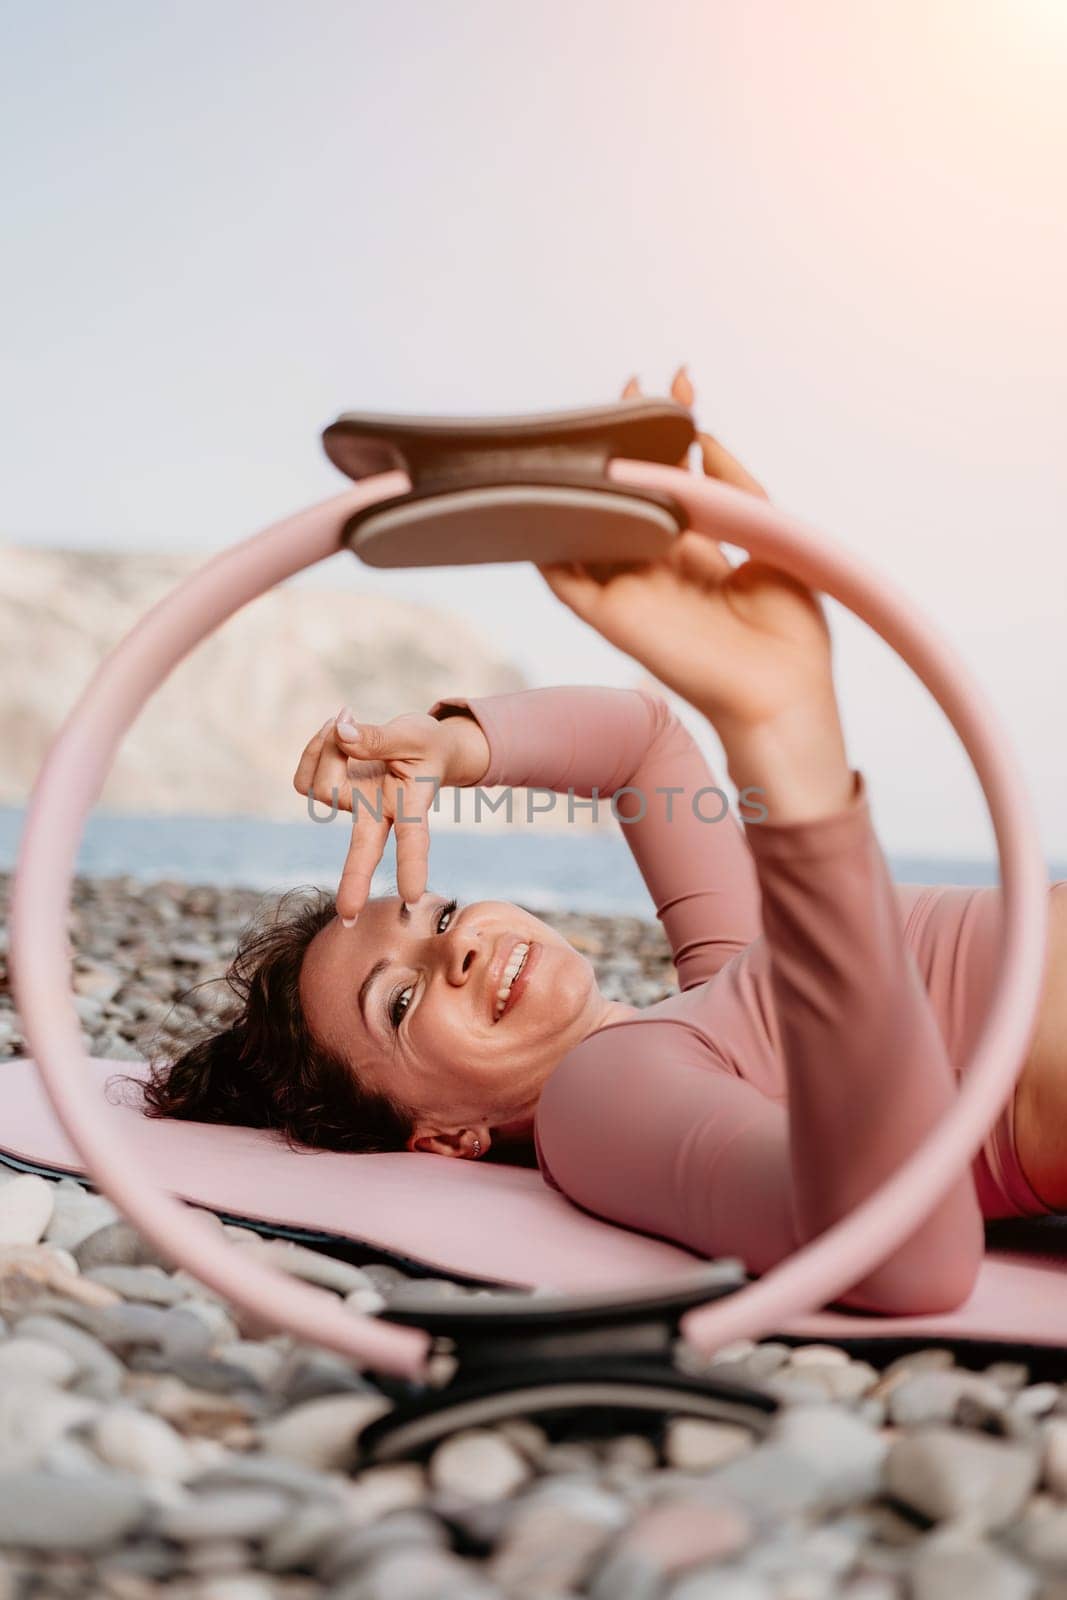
<point>590,871</point>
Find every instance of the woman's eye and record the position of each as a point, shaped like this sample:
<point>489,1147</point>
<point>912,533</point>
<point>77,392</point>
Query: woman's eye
<point>448,910</point>
<point>396,1014</point>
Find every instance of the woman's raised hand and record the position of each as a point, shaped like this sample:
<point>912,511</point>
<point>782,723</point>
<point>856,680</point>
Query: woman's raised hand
<point>387,775</point>
<point>742,644</point>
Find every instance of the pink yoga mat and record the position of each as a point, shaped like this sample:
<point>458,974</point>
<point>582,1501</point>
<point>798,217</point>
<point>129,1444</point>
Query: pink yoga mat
<point>462,1218</point>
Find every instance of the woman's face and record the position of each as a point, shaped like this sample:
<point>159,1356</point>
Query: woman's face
<point>409,997</point>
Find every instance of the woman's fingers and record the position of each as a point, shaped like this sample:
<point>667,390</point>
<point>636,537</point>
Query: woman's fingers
<point>413,801</point>
<point>305,768</point>
<point>365,849</point>
<point>631,389</point>
<point>571,583</point>
<point>681,387</point>
<point>719,463</point>
<point>699,559</point>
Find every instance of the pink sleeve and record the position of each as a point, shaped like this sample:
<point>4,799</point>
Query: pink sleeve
<point>641,1125</point>
<point>688,845</point>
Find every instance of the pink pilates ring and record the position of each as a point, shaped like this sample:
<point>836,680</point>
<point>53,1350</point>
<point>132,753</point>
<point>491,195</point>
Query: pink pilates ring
<point>81,755</point>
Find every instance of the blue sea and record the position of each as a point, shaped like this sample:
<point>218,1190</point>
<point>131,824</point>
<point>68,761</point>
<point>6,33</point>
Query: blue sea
<point>535,868</point>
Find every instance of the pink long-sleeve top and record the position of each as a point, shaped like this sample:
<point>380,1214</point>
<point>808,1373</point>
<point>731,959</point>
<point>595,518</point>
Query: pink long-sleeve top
<point>801,1061</point>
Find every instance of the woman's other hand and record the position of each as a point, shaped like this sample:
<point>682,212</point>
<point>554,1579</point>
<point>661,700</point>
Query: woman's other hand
<point>387,775</point>
<point>745,645</point>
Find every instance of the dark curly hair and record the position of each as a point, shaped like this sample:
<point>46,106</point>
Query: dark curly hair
<point>259,1066</point>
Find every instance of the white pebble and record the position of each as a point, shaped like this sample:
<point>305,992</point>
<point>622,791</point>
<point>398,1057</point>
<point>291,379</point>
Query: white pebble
<point>322,1433</point>
<point>694,1444</point>
<point>819,1355</point>
<point>25,1209</point>
<point>36,1359</point>
<point>33,1415</point>
<point>138,1442</point>
<point>479,1464</point>
<point>394,1486</point>
<point>1054,1468</point>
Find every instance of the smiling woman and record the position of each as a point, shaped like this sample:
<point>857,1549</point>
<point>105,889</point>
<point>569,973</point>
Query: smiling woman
<point>824,1014</point>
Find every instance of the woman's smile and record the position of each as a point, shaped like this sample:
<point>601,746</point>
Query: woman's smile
<point>519,956</point>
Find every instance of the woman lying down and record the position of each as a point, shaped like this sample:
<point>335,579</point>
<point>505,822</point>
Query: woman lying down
<point>823,1015</point>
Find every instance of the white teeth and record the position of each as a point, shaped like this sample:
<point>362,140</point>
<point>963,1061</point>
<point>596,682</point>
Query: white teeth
<point>515,965</point>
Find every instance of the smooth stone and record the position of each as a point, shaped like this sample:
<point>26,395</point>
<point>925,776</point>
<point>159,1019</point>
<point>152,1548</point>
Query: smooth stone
<point>218,1558</point>
<point>100,1374</point>
<point>117,1244</point>
<point>480,1463</point>
<point>549,1547</point>
<point>224,1514</point>
<point>247,1586</point>
<point>212,1316</point>
<point>1054,1464</point>
<point>323,1433</point>
<point>36,1359</point>
<point>627,1575</point>
<point>174,1332</point>
<point>357,1546</point>
<point>947,1571</point>
<point>27,1272</point>
<point>933,1397</point>
<point>568,1457</point>
<point>933,1359</point>
<point>819,1355</point>
<point>232,1469</point>
<point>1041,1538</point>
<point>384,1277</point>
<point>311,1266</point>
<point>734,1350</point>
<point>300,1540</point>
<point>76,1214</point>
<point>766,1359</point>
<point>418,1574</point>
<point>262,1362</point>
<point>769,1480</point>
<point>802,1387</point>
<point>307,1374</point>
<point>151,1284</point>
<point>128,1572</point>
<point>137,1442</point>
<point>942,1473</point>
<point>1037,1400</point>
<point>393,1486</point>
<point>687,1532</point>
<point>33,1415</point>
<point>720,1583</point>
<point>47,1511</point>
<point>844,1454</point>
<point>531,1440</point>
<point>695,1444</point>
<point>193,1410</point>
<point>1010,1376</point>
<point>625,1455</point>
<point>367,1302</point>
<point>97,983</point>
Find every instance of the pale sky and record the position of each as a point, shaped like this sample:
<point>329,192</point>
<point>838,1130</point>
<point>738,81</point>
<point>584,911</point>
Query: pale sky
<point>226,222</point>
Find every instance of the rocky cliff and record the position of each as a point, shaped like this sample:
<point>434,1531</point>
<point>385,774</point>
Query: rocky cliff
<point>224,733</point>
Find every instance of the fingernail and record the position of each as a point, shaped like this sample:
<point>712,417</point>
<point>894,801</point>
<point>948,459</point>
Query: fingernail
<point>350,922</point>
<point>348,730</point>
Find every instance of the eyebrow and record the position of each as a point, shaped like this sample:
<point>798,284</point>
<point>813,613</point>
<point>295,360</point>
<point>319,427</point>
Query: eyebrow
<point>403,915</point>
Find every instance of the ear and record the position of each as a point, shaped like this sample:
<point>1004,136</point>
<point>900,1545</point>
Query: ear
<point>459,1142</point>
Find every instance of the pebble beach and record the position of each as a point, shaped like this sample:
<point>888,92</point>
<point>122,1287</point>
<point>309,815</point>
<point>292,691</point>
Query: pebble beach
<point>153,1442</point>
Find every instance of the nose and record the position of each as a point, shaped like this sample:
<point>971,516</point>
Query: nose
<point>465,947</point>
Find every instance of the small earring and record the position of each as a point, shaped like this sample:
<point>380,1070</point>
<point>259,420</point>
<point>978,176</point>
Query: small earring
<point>477,1146</point>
